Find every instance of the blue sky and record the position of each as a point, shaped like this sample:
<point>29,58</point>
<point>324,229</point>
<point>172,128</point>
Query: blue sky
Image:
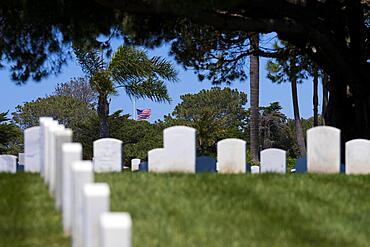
<point>13,95</point>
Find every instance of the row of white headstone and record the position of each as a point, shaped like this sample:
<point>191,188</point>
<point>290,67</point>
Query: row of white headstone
<point>84,204</point>
<point>107,151</point>
<point>323,153</point>
<point>179,153</point>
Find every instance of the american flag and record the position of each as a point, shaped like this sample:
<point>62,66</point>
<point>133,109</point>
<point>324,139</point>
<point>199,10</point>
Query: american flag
<point>143,114</point>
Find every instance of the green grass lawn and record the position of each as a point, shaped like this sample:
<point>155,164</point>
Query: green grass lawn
<point>27,213</point>
<point>181,210</point>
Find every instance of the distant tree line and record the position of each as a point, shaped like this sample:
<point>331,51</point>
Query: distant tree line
<point>215,113</point>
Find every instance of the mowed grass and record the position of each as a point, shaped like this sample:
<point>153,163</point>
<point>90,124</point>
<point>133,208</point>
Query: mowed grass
<point>179,210</point>
<point>27,213</point>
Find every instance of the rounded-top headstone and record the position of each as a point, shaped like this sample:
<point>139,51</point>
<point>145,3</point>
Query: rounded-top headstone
<point>231,156</point>
<point>107,155</point>
<point>358,156</point>
<point>8,163</point>
<point>180,149</point>
<point>323,149</point>
<point>273,160</point>
<point>156,160</point>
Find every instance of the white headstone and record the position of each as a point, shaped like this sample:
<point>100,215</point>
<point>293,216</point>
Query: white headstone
<point>180,149</point>
<point>135,164</point>
<point>8,163</point>
<point>32,149</point>
<point>61,137</point>
<point>107,155</point>
<point>231,156</point>
<point>49,153</point>
<point>43,141</point>
<point>95,202</point>
<point>273,160</point>
<point>358,156</point>
<point>323,149</point>
<point>115,230</point>
<point>53,156</point>
<point>82,173</point>
<point>72,152</point>
<point>21,159</point>
<point>156,160</point>
<point>255,169</point>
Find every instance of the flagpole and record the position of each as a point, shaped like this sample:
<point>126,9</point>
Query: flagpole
<point>134,109</point>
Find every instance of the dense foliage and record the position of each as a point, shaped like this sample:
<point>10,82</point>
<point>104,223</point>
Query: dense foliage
<point>10,136</point>
<point>216,114</point>
<point>67,110</point>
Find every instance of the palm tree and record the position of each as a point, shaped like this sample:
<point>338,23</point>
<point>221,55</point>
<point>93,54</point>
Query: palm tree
<point>130,69</point>
<point>254,94</point>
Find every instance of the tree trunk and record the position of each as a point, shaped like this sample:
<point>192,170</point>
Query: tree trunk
<point>254,99</point>
<point>315,96</point>
<point>103,112</point>
<point>325,85</point>
<point>297,120</point>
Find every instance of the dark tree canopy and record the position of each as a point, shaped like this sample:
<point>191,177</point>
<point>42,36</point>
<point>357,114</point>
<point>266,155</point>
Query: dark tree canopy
<point>34,33</point>
<point>35,36</point>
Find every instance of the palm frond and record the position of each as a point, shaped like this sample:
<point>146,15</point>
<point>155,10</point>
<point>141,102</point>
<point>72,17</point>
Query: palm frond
<point>163,69</point>
<point>151,88</point>
<point>90,60</point>
<point>129,63</point>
